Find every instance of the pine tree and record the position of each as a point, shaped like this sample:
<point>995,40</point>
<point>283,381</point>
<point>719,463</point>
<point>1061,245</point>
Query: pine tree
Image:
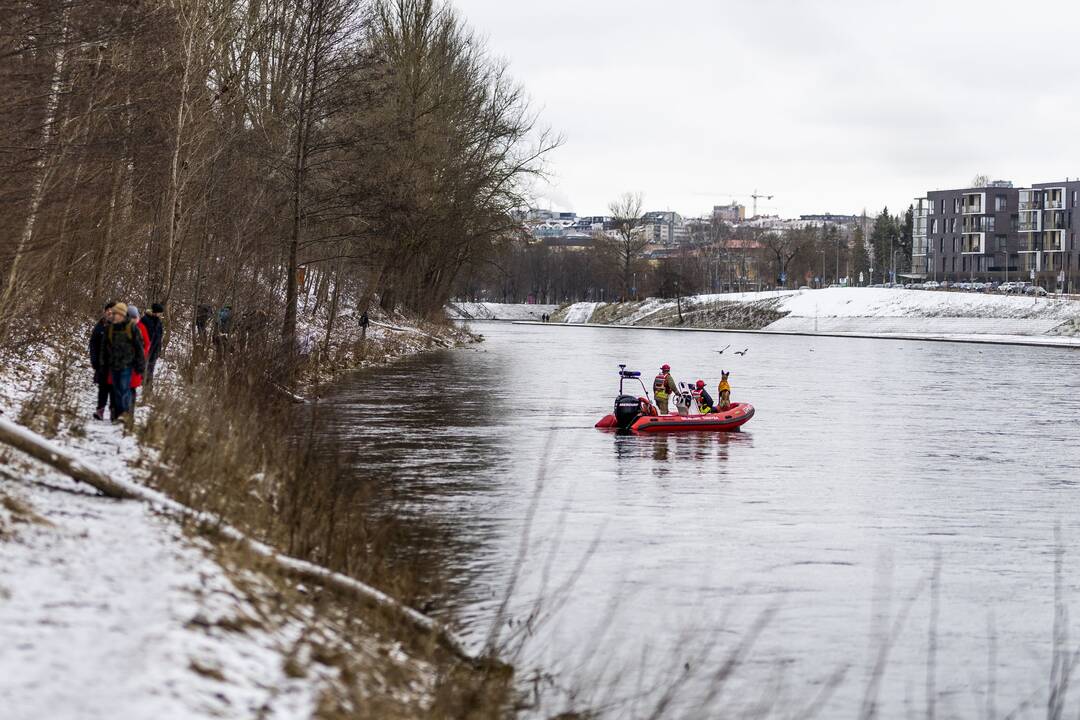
<point>907,240</point>
<point>884,239</point>
<point>860,259</point>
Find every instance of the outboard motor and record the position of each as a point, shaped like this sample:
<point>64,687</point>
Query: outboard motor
<point>627,410</point>
<point>629,407</point>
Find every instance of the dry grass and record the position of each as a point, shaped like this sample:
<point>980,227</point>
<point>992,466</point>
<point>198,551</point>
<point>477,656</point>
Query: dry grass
<point>230,444</point>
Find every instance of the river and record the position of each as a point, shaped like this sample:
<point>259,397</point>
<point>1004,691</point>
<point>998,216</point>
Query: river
<point>806,545</point>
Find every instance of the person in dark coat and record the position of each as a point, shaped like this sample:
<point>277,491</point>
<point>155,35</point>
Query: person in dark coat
<point>121,355</point>
<point>364,321</point>
<point>155,325</point>
<point>101,376</point>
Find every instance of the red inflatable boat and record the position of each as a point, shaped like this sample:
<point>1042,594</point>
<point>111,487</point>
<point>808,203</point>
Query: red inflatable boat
<point>638,414</point>
<point>737,415</point>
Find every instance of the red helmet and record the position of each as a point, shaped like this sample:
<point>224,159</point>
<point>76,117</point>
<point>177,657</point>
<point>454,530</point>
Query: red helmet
<point>665,367</point>
<point>700,384</point>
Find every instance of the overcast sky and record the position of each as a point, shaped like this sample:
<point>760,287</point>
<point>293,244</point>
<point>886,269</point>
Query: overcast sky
<point>831,106</point>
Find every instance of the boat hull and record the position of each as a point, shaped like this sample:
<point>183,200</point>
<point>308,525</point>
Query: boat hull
<point>721,421</point>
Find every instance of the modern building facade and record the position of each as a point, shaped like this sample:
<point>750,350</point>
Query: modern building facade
<point>999,232</point>
<point>665,227</point>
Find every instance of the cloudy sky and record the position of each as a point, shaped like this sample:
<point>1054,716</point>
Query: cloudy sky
<point>830,106</point>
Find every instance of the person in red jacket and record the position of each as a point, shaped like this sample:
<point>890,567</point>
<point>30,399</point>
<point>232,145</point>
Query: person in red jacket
<point>136,378</point>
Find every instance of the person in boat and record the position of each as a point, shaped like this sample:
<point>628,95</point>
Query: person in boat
<point>724,390</point>
<point>701,396</point>
<point>664,386</point>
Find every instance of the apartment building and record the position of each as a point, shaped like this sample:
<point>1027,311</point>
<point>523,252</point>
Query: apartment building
<point>665,227</point>
<point>731,214</point>
<point>999,232</point>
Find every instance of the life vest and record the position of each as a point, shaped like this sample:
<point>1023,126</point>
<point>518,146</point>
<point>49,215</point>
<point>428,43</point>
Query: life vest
<point>724,385</point>
<point>659,386</point>
<point>702,405</point>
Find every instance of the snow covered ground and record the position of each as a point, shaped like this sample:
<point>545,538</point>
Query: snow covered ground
<point>498,311</point>
<point>867,311</point>
<point>108,610</point>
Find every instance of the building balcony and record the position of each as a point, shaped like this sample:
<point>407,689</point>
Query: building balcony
<point>1029,225</point>
<point>1053,241</point>
<point>973,204</point>
<point>973,243</point>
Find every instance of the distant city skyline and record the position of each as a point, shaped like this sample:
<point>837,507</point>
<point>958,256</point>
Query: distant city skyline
<point>829,108</point>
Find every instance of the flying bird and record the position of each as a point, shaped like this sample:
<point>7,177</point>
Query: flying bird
<point>742,352</point>
<point>721,352</point>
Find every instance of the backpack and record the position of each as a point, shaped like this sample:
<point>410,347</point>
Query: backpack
<point>127,330</point>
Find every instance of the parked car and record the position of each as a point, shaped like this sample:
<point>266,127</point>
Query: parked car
<point>1035,290</point>
<point>932,285</point>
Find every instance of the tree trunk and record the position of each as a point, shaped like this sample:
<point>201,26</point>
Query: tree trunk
<point>163,287</point>
<point>37,192</point>
<point>333,312</point>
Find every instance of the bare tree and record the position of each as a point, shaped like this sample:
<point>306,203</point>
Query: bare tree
<point>785,247</point>
<point>630,241</point>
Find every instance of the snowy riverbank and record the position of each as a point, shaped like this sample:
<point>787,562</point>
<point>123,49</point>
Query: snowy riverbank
<point>497,311</point>
<point>111,610</point>
<point>860,311</point>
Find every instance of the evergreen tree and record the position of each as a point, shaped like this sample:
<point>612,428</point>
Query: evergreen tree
<point>907,240</point>
<point>884,239</point>
<point>860,259</point>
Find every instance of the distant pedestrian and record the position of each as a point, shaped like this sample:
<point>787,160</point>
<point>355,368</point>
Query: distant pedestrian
<point>364,320</point>
<point>203,313</point>
<point>121,355</point>
<point>223,328</point>
<point>101,374</point>
<point>155,325</point>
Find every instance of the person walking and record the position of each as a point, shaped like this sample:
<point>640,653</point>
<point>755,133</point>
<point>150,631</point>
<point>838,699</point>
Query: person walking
<point>364,321</point>
<point>121,355</point>
<point>101,375</point>
<point>144,334</point>
<point>663,387</point>
<point>155,326</point>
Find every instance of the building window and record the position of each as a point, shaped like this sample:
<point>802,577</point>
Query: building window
<point>933,226</point>
<point>956,206</point>
<point>1001,243</point>
<point>1000,203</point>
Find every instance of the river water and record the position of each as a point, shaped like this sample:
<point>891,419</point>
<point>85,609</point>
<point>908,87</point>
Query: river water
<point>805,546</point>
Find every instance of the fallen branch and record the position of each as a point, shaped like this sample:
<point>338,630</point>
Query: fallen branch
<point>397,328</point>
<point>71,465</point>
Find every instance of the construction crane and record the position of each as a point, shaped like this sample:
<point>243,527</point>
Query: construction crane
<point>756,197</point>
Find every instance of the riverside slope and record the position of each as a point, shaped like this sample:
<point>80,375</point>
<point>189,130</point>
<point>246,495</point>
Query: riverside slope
<point>850,311</point>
